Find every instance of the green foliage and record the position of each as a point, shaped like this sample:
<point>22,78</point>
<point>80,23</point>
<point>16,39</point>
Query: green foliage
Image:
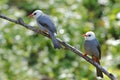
<point>24,55</point>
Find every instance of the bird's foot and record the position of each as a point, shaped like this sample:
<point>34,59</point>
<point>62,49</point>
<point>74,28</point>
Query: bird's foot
<point>95,59</point>
<point>85,54</point>
<point>46,32</point>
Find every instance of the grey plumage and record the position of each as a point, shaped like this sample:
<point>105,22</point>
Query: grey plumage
<point>45,23</point>
<point>92,48</point>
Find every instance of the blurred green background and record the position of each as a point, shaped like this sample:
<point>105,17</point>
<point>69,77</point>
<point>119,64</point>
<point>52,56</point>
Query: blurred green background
<point>24,55</point>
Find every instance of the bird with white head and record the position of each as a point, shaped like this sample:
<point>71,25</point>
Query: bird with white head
<point>89,35</point>
<point>46,24</point>
<point>92,48</point>
<point>36,14</point>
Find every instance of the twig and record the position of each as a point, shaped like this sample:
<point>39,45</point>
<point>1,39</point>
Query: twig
<point>66,45</point>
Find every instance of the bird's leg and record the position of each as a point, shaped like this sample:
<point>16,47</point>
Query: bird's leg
<point>46,32</point>
<point>95,58</point>
<point>85,54</point>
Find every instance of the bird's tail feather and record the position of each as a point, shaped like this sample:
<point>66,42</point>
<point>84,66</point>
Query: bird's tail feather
<point>98,71</point>
<point>54,40</point>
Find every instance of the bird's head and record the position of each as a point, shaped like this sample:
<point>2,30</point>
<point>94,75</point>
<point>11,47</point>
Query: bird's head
<point>36,13</point>
<point>89,35</point>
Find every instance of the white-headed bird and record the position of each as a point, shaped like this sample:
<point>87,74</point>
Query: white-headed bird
<point>46,24</point>
<point>92,48</point>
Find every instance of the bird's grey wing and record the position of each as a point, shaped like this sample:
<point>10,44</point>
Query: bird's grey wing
<point>98,47</point>
<point>45,21</point>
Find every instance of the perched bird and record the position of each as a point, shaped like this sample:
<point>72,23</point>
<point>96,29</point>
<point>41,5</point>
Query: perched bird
<point>92,48</point>
<point>46,24</point>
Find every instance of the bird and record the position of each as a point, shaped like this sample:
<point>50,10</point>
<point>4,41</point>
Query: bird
<point>92,48</point>
<point>46,24</point>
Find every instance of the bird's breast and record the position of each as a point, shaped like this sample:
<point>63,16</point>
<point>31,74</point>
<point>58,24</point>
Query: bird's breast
<point>90,48</point>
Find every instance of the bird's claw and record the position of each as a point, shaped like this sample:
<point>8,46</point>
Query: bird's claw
<point>84,54</point>
<point>94,59</point>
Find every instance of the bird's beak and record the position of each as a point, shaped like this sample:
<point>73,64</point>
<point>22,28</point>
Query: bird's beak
<point>84,35</point>
<point>31,15</point>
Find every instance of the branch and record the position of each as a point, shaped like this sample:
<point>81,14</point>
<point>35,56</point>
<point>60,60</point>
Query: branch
<point>66,45</point>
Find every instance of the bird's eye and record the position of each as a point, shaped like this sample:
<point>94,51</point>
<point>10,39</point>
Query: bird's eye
<point>35,13</point>
<point>89,35</point>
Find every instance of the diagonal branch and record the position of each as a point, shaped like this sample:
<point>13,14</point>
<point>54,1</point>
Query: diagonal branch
<point>66,45</point>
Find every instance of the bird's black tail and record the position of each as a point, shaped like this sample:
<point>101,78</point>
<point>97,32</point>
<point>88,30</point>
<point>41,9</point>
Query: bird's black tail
<point>99,72</point>
<point>54,40</point>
